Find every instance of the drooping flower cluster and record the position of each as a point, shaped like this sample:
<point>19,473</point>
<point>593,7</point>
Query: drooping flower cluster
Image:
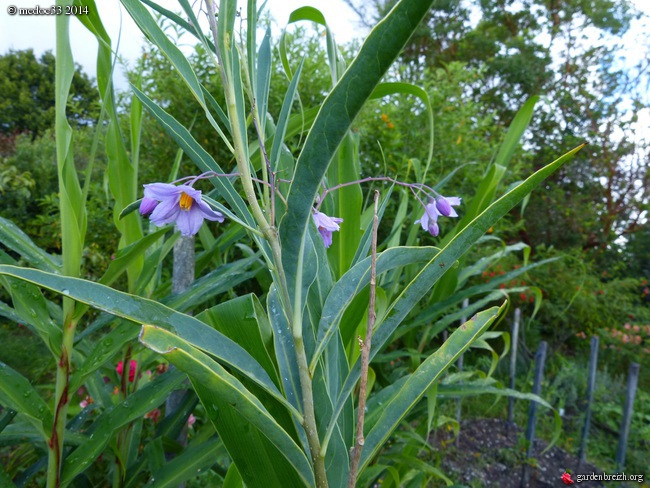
<point>440,206</point>
<point>181,204</point>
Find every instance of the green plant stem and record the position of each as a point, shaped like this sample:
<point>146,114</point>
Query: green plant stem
<point>271,235</point>
<point>61,401</point>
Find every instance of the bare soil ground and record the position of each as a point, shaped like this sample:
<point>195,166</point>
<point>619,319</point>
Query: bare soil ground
<point>491,453</point>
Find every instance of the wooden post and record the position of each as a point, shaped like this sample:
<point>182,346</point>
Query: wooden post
<point>463,319</point>
<point>632,380</point>
<point>182,278</point>
<point>513,365</point>
<point>593,362</point>
<point>540,358</point>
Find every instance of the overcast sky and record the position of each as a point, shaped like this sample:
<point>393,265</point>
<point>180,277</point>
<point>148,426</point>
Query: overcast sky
<point>38,32</point>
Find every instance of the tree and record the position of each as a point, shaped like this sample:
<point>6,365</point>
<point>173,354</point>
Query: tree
<point>566,52</point>
<point>27,86</point>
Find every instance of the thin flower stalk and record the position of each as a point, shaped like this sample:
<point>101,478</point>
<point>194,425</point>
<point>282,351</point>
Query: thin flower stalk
<point>355,454</point>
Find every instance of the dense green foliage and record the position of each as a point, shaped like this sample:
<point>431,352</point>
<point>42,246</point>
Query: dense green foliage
<point>27,87</point>
<point>584,235</point>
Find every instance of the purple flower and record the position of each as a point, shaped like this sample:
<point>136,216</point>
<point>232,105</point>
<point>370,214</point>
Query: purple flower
<point>429,221</point>
<point>148,205</point>
<point>445,206</point>
<point>326,225</point>
<point>434,209</point>
<point>181,204</point>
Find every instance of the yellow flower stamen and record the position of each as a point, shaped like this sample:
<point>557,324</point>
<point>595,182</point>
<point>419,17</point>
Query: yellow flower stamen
<point>185,202</point>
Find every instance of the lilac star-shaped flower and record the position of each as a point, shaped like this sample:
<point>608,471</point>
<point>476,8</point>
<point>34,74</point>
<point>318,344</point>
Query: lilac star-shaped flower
<point>326,225</point>
<point>181,204</point>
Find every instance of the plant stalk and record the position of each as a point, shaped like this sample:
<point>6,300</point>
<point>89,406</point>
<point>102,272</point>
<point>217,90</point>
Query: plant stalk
<point>355,452</point>
<point>61,401</point>
<point>270,233</point>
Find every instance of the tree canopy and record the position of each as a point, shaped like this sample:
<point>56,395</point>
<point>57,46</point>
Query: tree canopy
<point>27,87</point>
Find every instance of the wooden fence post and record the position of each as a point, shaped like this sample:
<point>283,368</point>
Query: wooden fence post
<point>632,380</point>
<point>540,358</point>
<point>513,365</point>
<point>593,362</point>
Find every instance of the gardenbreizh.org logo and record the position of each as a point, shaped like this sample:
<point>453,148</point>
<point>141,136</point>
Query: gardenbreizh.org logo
<point>567,479</point>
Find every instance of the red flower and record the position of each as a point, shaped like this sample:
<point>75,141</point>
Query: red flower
<point>153,415</point>
<point>133,365</point>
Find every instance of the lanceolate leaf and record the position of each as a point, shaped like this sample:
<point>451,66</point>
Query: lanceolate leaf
<point>354,281</point>
<point>423,378</point>
<point>333,121</point>
<point>427,277</point>
<point>150,28</point>
<point>265,454</point>
<point>18,394</point>
<point>19,242</point>
<point>186,465</point>
<point>145,311</point>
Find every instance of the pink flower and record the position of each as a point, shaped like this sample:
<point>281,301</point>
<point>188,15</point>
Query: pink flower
<point>191,420</point>
<point>133,365</point>
<point>86,401</point>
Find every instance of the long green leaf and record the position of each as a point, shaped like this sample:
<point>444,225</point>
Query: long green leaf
<point>134,407</point>
<point>338,111</point>
<point>186,465</point>
<point>145,311</point>
<point>281,128</point>
<point>31,308</point>
<point>241,420</point>
<point>354,281</point>
<point>150,28</point>
<point>18,394</point>
<point>348,203</point>
<point>427,277</point>
<point>19,242</point>
<point>423,378</point>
